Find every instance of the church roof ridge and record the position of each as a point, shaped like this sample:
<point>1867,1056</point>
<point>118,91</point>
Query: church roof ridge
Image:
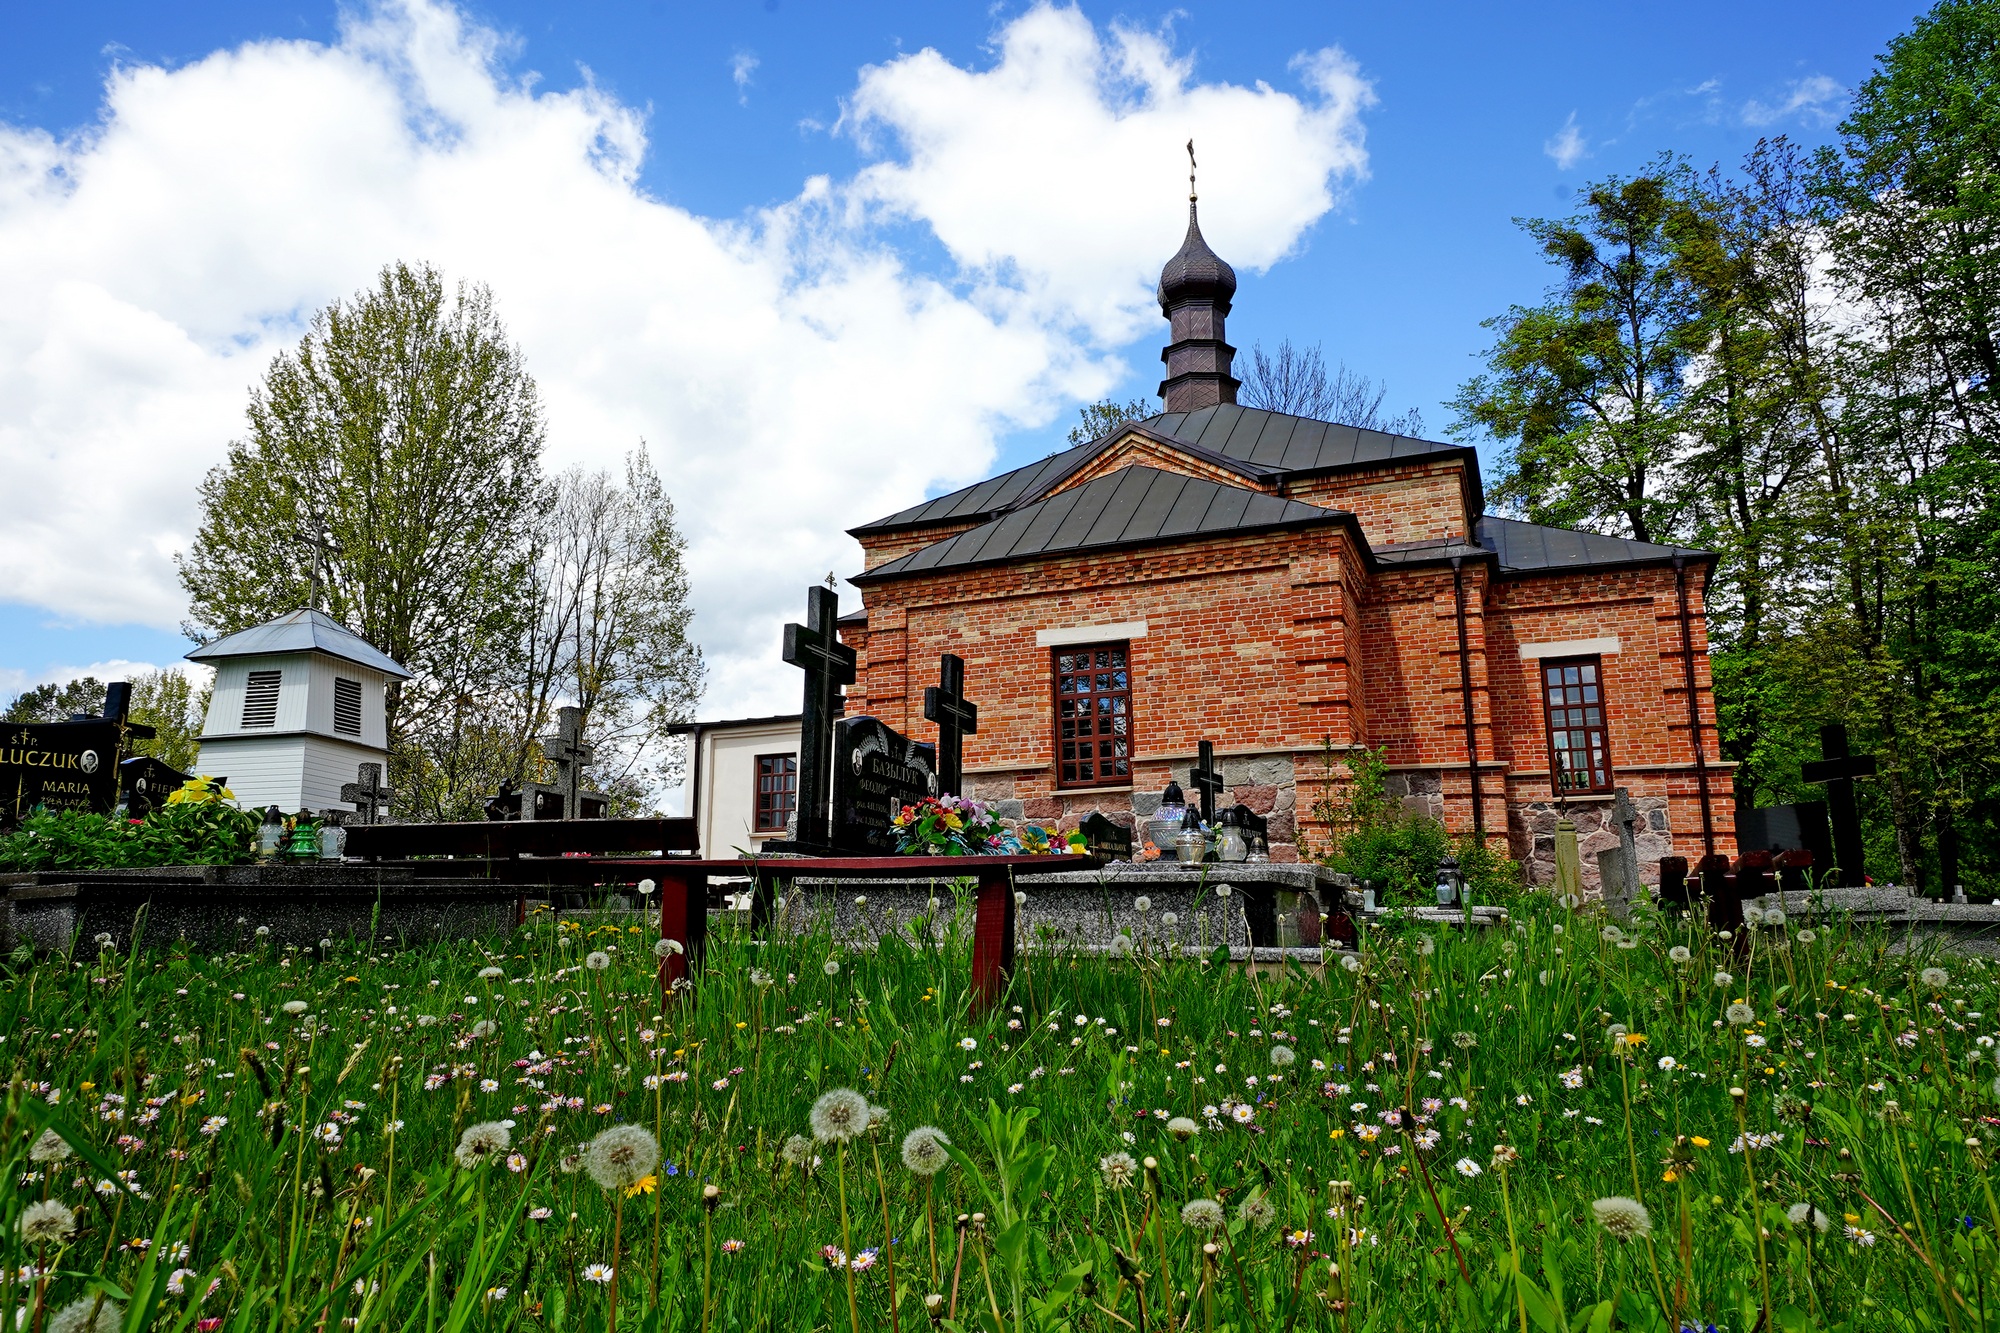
<point>302,631</point>
<point>1272,445</point>
<point>1134,506</point>
<point>1522,547</point>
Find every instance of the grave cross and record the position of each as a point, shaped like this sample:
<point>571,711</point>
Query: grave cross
<point>1837,769</point>
<point>1626,816</point>
<point>369,797</point>
<point>956,716</point>
<point>816,649</point>
<point>570,754</point>
<point>118,710</point>
<point>1207,779</point>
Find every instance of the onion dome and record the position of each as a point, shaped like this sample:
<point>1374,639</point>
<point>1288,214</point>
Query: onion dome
<point>1196,272</point>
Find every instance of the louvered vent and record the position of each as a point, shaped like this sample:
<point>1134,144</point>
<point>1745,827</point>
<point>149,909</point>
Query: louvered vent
<point>260,699</point>
<point>346,706</point>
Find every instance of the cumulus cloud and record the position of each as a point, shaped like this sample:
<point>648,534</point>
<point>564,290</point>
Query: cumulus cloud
<point>1567,146</point>
<point>792,373</point>
<point>1814,100</point>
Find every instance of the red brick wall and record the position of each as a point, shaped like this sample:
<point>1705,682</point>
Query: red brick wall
<point>1406,503</point>
<point>880,548</point>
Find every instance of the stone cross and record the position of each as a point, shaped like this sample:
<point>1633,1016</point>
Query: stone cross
<point>956,716</point>
<point>1624,817</point>
<point>1838,769</point>
<point>570,754</point>
<point>816,649</point>
<point>1206,778</point>
<point>369,797</point>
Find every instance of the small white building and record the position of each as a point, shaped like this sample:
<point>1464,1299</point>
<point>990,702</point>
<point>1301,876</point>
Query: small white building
<point>297,708</point>
<point>743,781</point>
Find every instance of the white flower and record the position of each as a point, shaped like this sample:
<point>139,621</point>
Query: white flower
<point>1283,1056</point>
<point>968,1043</point>
<point>1203,1215</point>
<point>1142,903</point>
<point>1723,980</point>
<point>924,1150</point>
<point>596,1273</point>
<point>831,967</point>
<point>481,1143</point>
<point>597,960</point>
<point>621,1156</point>
<point>1626,1219</point>
<point>1118,1169</point>
<point>861,900</point>
<point>1468,1168</point>
<point>839,1115</point>
<point>1243,1113</point>
<point>1668,1062</point>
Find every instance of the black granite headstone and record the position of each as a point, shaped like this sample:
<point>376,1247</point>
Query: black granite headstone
<point>1105,837</point>
<point>145,783</point>
<point>876,772</point>
<point>59,765</point>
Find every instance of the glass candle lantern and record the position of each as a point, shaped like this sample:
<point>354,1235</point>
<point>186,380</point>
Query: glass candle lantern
<point>270,834</point>
<point>1229,842</point>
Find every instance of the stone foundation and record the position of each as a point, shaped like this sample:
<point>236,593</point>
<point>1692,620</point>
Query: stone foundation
<point>1531,835</point>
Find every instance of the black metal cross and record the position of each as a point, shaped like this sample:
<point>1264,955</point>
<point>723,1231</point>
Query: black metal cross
<point>956,716</point>
<point>1838,769</point>
<point>1207,778</point>
<point>369,797</point>
<point>816,649</point>
<point>570,754</point>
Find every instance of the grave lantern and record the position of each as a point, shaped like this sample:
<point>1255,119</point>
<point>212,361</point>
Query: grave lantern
<point>1450,884</point>
<point>298,704</point>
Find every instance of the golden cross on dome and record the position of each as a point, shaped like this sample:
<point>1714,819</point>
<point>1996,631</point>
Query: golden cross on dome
<point>1191,193</point>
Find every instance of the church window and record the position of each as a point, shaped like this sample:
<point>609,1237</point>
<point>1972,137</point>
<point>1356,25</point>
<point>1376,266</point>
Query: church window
<point>1093,702</point>
<point>260,698</point>
<point>346,706</point>
<point>777,791</point>
<point>1573,702</point>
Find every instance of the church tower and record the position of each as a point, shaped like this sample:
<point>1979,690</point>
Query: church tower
<point>1194,291</point>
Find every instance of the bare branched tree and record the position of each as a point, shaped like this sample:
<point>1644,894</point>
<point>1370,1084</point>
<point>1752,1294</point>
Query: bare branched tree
<point>1295,381</point>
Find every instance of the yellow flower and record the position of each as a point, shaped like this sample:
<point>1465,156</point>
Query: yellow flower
<point>952,821</point>
<point>643,1185</point>
<point>85,1087</point>
<point>741,1024</point>
<point>1669,1175</point>
<point>1853,1219</point>
<point>1334,1134</point>
<point>1635,1039</point>
<point>1698,1141</point>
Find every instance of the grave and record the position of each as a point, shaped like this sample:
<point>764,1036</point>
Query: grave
<point>145,783</point>
<point>876,772</point>
<point>956,716</point>
<point>1837,769</point>
<point>567,797</point>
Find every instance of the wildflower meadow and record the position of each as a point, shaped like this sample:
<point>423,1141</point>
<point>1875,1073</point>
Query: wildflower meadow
<point>1560,1124</point>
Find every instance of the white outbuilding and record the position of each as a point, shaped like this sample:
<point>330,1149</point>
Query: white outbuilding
<point>298,707</point>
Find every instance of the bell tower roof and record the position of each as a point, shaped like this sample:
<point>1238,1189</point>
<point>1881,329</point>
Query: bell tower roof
<point>1195,290</point>
<point>1195,271</point>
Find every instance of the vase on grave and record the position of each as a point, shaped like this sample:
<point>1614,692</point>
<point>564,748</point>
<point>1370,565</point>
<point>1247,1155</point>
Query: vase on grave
<point>332,842</point>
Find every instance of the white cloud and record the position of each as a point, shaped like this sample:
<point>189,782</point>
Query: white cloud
<point>792,373</point>
<point>741,66</point>
<point>1568,146</point>
<point>13,681</point>
<point>1814,100</point>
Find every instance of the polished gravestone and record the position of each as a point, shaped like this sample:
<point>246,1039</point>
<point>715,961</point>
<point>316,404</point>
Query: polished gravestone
<point>876,772</point>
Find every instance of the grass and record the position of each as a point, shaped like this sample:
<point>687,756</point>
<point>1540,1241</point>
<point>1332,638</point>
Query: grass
<point>263,1139</point>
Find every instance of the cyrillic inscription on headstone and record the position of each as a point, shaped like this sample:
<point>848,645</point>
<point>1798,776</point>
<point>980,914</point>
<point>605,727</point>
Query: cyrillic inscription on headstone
<point>876,772</point>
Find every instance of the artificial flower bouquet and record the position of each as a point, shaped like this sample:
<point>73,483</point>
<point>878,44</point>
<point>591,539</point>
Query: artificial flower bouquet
<point>955,826</point>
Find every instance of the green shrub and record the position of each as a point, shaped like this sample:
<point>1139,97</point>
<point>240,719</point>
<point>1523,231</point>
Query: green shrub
<point>209,833</point>
<point>1398,850</point>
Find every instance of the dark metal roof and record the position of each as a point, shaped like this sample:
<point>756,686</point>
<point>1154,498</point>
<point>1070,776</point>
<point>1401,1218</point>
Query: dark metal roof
<point>694,728</point>
<point>302,631</point>
<point>1195,271</point>
<point>1531,548</point>
<point>1263,445</point>
<point>1131,506</point>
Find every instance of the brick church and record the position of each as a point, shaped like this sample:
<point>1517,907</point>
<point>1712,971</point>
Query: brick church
<point>1278,585</point>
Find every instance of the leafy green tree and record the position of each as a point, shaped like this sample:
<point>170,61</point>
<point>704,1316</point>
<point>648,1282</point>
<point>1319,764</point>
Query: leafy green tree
<point>1101,418</point>
<point>1586,391</point>
<point>391,473</point>
<point>49,702</point>
<point>171,704</point>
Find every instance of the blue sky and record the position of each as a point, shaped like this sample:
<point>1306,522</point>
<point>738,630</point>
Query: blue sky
<point>1480,114</point>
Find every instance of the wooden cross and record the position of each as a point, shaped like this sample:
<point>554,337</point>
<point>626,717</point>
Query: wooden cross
<point>369,797</point>
<point>816,649</point>
<point>1838,769</point>
<point>569,754</point>
<point>1206,778</point>
<point>956,717</point>
<point>118,710</point>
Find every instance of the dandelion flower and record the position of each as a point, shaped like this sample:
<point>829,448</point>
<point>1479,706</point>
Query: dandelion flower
<point>1257,1211</point>
<point>1807,936</point>
<point>92,1314</point>
<point>1283,1056</point>
<point>1774,917</point>
<point>599,1273</point>
<point>1426,945</point>
<point>1612,934</point>
<point>1739,1013</point>
<point>1935,977</point>
<point>1223,890</point>
<point>1351,962</point>
<point>1465,1041</point>
<point>1753,916</point>
<point>621,1157</point>
<point>831,967</point>
<point>1804,1214</point>
<point>1723,980</point>
<point>924,1150</point>
<point>1626,1219</point>
<point>1119,1170</point>
<point>50,1147</point>
<point>1203,1215</point>
<point>293,1006</point>
<point>839,1115</point>
<point>597,960</point>
<point>1680,954</point>
<point>1121,946</point>
<point>1181,1127</point>
<point>760,978</point>
<point>482,1143</point>
<point>1170,918</point>
<point>49,1222</point>
<point>1142,904</point>
<point>491,973</point>
<point>798,1150</point>
<point>666,948</point>
<point>878,1117</point>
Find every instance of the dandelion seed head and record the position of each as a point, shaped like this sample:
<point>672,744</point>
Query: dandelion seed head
<point>1723,980</point>
<point>924,1150</point>
<point>92,1314</point>
<point>597,960</point>
<point>839,1116</point>
<point>1203,1215</point>
<point>1680,953</point>
<point>1625,1219</point>
<point>798,1150</point>
<point>491,973</point>
<point>1739,1014</point>
<point>485,1027</point>
<point>293,1006</point>
<point>1283,1057</point>
<point>50,1147</point>
<point>1935,977</point>
<point>1118,1170</point>
<point>1804,1215</point>
<point>831,967</point>
<point>49,1222</point>
<point>621,1156</point>
<point>482,1143</point>
<point>1183,1128</point>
